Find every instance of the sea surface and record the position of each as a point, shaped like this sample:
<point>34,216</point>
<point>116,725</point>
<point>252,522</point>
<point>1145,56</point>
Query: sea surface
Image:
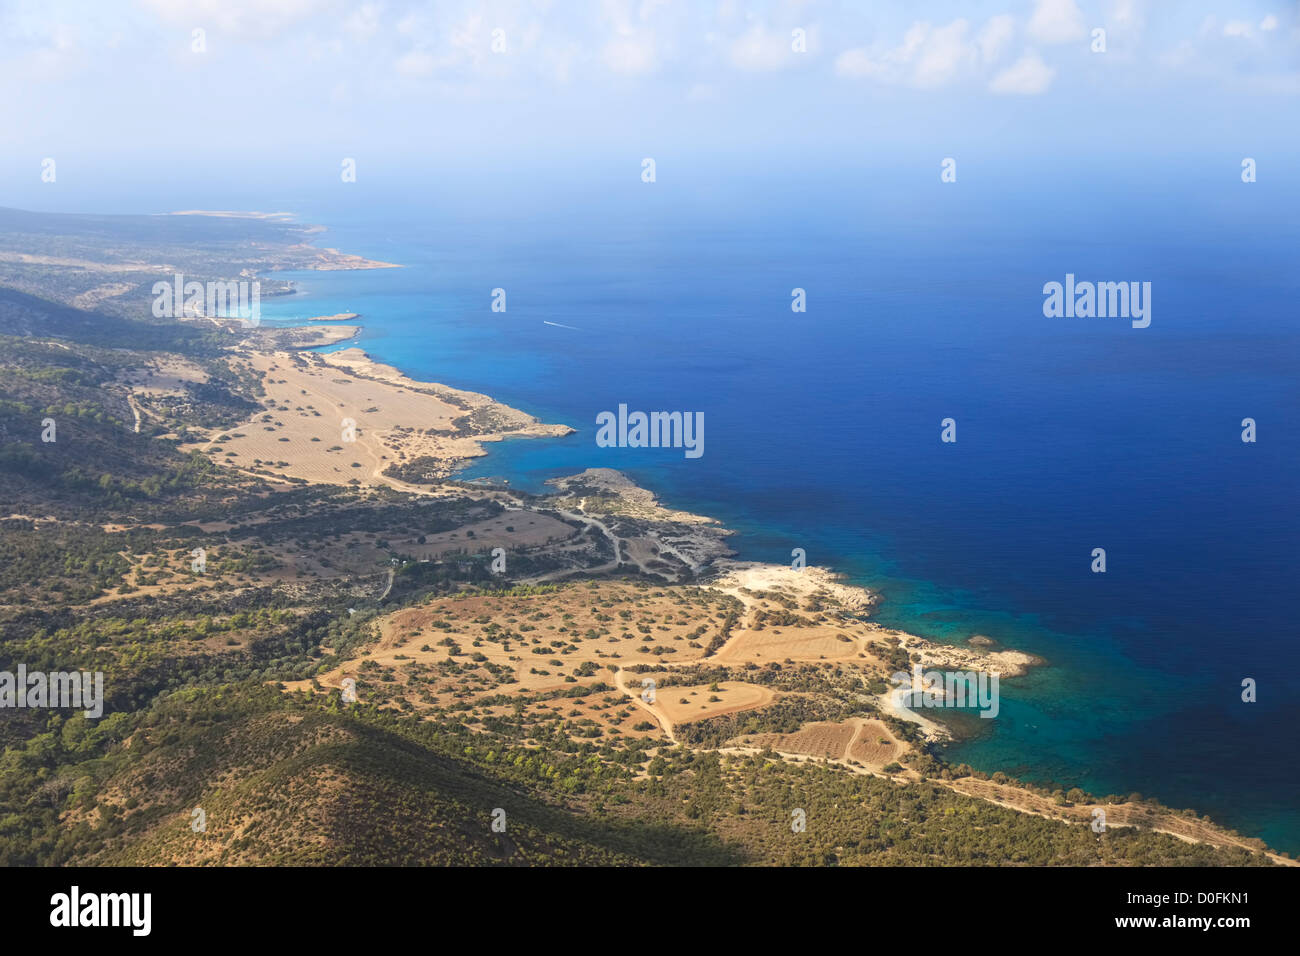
<point>822,429</point>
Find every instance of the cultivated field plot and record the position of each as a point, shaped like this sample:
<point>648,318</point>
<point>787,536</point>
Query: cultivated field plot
<point>867,742</point>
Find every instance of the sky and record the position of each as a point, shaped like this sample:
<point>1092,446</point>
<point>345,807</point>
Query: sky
<point>126,93</point>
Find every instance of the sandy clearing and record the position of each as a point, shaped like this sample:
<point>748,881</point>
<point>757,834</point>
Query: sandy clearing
<point>682,704</point>
<point>343,419</point>
<point>545,638</point>
<point>93,297</point>
<point>801,644</point>
<point>85,264</point>
<point>801,583</point>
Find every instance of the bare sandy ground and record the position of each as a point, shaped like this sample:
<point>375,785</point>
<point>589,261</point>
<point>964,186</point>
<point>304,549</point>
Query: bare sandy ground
<point>657,630</point>
<point>799,583</point>
<point>797,644</point>
<point>85,265</point>
<point>342,418</point>
<point>93,297</point>
<point>331,260</point>
<point>266,339</point>
<point>682,704</point>
<point>165,376</point>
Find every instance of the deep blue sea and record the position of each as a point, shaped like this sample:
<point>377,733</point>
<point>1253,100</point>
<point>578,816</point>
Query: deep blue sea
<point>822,429</point>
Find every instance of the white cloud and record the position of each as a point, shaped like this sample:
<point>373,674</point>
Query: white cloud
<point>761,49</point>
<point>927,57</point>
<point>855,63</point>
<point>559,58</point>
<point>639,37</point>
<point>1126,13</point>
<point>1244,28</point>
<point>1125,24</point>
<point>631,55</point>
<point>414,63</point>
<point>1056,21</point>
<point>240,17</point>
<point>996,36</point>
<point>930,57</point>
<point>362,23</point>
<point>943,55</point>
<point>688,47</point>
<point>1027,76</point>
<point>453,48</point>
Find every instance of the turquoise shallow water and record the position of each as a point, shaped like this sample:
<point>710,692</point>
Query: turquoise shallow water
<point>822,433</point>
